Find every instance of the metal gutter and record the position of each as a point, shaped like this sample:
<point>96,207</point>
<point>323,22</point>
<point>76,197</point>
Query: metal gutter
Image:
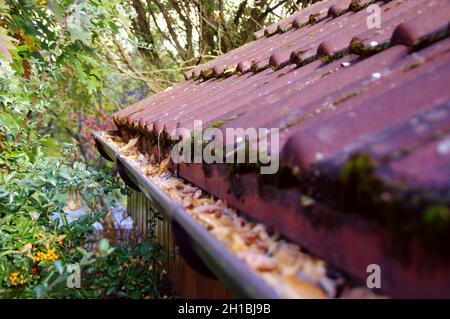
<point>233,273</point>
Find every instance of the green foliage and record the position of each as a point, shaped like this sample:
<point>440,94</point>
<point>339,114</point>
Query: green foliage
<point>52,85</point>
<point>125,272</point>
<point>437,216</point>
<point>36,249</point>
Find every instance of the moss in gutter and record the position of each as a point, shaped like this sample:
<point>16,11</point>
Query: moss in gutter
<point>347,97</point>
<point>313,18</point>
<point>327,59</point>
<point>286,28</point>
<point>217,124</point>
<point>228,71</point>
<point>325,74</point>
<point>357,47</point>
<point>296,58</point>
<point>355,6</point>
<point>207,74</point>
<point>414,65</point>
<point>433,38</point>
<point>359,183</point>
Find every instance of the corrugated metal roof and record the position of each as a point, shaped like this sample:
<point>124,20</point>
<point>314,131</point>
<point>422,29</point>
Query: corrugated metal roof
<point>335,89</point>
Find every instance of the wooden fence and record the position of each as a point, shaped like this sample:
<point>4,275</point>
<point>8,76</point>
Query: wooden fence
<point>187,282</point>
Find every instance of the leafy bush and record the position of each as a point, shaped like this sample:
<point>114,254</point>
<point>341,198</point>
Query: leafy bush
<point>51,87</point>
<point>125,273</point>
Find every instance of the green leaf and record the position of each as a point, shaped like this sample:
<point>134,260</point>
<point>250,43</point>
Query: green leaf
<point>78,25</point>
<point>57,10</point>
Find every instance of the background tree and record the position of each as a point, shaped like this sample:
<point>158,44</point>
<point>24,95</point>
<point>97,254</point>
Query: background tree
<point>164,37</point>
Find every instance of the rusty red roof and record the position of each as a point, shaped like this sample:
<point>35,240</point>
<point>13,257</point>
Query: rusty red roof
<point>364,130</point>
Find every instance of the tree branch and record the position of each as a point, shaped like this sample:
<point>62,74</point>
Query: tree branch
<point>169,22</point>
<point>42,80</point>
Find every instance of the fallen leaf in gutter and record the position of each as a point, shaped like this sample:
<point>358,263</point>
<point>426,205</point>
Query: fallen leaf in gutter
<point>304,288</point>
<point>187,202</point>
<point>150,171</point>
<point>189,189</point>
<point>198,193</point>
<point>163,165</point>
<point>130,144</point>
<point>141,160</point>
<point>206,209</point>
<point>222,233</point>
<point>258,261</point>
<point>314,268</point>
<point>177,198</point>
<point>237,244</point>
<point>208,220</point>
<point>330,286</point>
<point>152,159</point>
<point>202,201</point>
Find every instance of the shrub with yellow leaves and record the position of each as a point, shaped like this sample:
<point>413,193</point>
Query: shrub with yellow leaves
<point>49,255</point>
<point>16,278</point>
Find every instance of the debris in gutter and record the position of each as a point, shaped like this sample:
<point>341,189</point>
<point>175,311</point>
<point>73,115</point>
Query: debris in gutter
<point>290,271</point>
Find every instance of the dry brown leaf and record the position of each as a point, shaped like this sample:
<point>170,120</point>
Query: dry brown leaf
<point>152,159</point>
<point>176,197</point>
<point>198,193</point>
<point>222,233</point>
<point>238,223</point>
<point>189,189</point>
<point>258,261</point>
<point>208,220</point>
<point>174,183</point>
<point>290,259</point>
<point>142,160</point>
<point>150,171</point>
<point>314,268</point>
<point>292,287</point>
<point>187,202</point>
<point>226,221</point>
<point>202,201</point>
<point>237,244</point>
<point>304,289</point>
<point>206,209</point>
<point>130,144</point>
<point>163,165</point>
